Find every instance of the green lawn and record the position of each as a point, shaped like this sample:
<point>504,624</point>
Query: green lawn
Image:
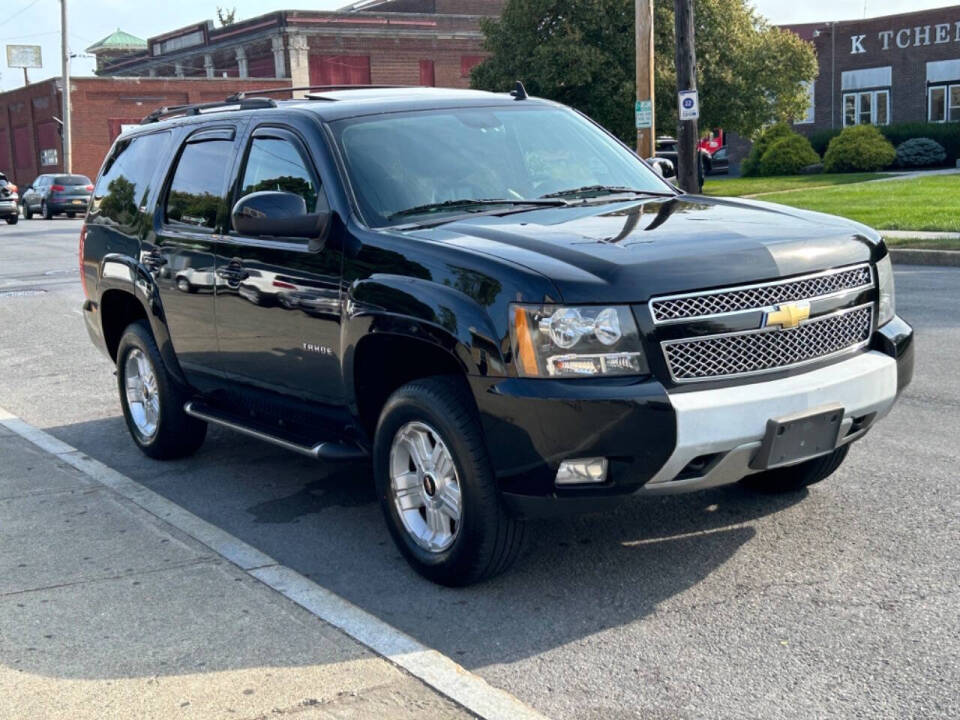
<point>924,243</point>
<point>756,185</point>
<point>921,203</point>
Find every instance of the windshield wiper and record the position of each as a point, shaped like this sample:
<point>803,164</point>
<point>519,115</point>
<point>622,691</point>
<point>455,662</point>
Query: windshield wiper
<point>467,203</point>
<point>588,190</point>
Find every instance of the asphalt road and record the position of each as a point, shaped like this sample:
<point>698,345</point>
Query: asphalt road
<point>839,602</point>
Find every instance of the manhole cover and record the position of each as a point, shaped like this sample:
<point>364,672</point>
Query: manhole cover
<point>21,293</point>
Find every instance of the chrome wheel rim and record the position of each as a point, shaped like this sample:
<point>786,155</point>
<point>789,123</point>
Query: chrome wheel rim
<point>143,400</point>
<point>425,487</point>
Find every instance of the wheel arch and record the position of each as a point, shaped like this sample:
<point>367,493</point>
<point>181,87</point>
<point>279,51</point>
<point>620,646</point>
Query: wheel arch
<point>128,292</point>
<point>399,329</point>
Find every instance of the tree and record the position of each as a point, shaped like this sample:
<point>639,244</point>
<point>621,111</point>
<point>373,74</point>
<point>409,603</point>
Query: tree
<point>581,53</point>
<point>226,16</point>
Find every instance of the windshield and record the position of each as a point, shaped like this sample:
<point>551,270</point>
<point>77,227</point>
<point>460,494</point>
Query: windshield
<point>412,161</point>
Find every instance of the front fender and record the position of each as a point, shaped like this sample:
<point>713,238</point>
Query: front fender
<point>426,311</point>
<point>126,274</point>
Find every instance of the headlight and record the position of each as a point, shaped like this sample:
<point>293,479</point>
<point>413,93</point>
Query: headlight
<point>885,285</point>
<point>555,341</point>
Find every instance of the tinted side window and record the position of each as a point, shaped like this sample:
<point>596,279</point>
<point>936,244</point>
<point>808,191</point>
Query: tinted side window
<point>275,164</point>
<point>196,192</point>
<point>124,184</point>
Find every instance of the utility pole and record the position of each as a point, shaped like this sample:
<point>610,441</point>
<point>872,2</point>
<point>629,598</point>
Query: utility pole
<point>65,61</point>
<point>644,30</point>
<point>686,57</point>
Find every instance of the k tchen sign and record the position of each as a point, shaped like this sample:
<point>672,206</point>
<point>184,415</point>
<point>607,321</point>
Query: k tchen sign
<point>903,38</point>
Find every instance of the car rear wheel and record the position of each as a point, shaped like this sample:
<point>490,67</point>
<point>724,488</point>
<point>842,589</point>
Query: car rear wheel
<point>151,399</point>
<point>436,485</point>
<point>796,477</point>
<point>13,220</point>
<point>45,211</point>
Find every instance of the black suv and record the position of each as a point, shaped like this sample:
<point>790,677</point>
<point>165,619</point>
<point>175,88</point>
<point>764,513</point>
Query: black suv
<point>56,194</point>
<point>488,296</point>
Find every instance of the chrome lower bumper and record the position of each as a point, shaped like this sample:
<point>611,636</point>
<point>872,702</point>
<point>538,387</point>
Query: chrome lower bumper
<point>729,423</point>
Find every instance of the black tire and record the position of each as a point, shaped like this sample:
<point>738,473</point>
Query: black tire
<point>177,434</point>
<point>45,211</point>
<point>796,477</point>
<point>184,285</point>
<point>71,215</point>
<point>27,212</point>
<point>489,538</point>
<point>13,220</point>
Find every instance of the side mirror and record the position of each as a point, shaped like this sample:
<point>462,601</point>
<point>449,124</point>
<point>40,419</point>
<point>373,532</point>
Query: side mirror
<point>272,213</point>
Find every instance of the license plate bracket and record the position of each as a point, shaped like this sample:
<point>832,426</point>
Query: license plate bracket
<point>800,436</point>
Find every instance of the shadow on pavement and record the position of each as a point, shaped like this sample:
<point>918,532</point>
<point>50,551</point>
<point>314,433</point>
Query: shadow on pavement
<point>576,577</point>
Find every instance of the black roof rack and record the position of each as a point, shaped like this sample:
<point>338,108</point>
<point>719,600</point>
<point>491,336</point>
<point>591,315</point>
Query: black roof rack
<point>233,102</point>
<point>302,88</point>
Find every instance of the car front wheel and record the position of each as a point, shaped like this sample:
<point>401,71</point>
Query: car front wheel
<point>151,399</point>
<point>45,211</point>
<point>436,485</point>
<point>27,212</point>
<point>13,219</point>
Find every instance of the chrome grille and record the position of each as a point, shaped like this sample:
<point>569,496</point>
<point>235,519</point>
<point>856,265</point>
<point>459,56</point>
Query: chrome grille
<point>758,351</point>
<point>754,297</point>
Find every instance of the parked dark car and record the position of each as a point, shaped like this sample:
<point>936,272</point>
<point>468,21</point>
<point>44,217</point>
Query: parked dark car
<point>489,299</point>
<point>9,209</point>
<point>716,163</point>
<point>52,194</point>
<point>667,148</point>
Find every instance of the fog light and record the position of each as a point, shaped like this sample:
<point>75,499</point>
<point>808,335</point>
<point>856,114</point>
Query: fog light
<point>584,470</point>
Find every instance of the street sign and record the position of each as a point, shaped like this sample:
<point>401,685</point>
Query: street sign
<point>24,56</point>
<point>689,105</point>
<point>644,114</point>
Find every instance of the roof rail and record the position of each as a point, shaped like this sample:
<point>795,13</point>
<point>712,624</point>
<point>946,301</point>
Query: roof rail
<point>230,103</point>
<point>273,91</point>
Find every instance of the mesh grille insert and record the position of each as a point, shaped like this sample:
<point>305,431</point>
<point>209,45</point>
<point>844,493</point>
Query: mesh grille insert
<point>751,352</point>
<point>752,298</point>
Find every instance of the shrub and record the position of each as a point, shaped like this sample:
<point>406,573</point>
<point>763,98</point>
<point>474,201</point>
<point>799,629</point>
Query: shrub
<point>788,156</point>
<point>920,152</point>
<point>861,148</point>
<point>751,164</point>
<point>821,138</point>
<point>947,134</point>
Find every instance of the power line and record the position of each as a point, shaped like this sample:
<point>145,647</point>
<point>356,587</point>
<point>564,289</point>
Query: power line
<point>21,12</point>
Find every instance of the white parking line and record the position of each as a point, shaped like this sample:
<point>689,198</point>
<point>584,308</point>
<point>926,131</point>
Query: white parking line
<point>433,668</point>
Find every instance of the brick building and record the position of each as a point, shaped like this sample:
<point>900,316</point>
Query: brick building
<point>402,42</point>
<point>885,70</point>
<point>389,42</point>
<point>30,142</point>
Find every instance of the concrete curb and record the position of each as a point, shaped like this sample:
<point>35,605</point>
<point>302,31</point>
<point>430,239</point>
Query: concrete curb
<point>913,256</point>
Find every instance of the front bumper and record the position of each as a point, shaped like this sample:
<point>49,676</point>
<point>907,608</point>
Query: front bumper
<point>660,441</point>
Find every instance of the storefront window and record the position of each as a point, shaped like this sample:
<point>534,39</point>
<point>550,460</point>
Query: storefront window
<point>867,107</point>
<point>944,103</point>
<point>938,104</point>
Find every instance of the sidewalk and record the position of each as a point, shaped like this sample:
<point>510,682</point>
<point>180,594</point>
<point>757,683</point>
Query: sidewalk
<point>108,612</point>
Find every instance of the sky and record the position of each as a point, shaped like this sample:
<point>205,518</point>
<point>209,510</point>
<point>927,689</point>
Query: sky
<point>37,22</point>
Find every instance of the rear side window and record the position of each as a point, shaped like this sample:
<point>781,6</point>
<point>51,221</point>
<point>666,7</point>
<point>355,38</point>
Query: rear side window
<point>124,184</point>
<point>196,196</point>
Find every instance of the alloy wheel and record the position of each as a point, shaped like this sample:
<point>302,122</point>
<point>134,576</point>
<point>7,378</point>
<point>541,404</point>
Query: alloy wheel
<point>143,399</point>
<point>424,486</point>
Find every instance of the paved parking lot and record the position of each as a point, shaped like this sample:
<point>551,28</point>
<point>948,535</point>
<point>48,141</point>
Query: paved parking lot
<point>840,602</point>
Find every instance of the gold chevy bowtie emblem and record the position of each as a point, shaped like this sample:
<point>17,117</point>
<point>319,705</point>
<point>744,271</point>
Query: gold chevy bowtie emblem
<point>788,315</point>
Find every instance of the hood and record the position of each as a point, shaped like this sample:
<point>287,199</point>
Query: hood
<point>630,251</point>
